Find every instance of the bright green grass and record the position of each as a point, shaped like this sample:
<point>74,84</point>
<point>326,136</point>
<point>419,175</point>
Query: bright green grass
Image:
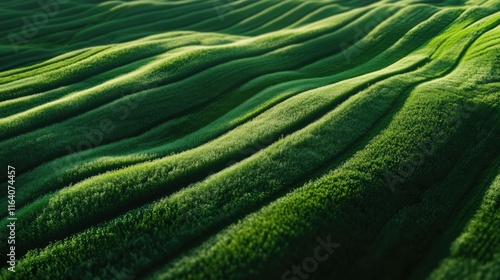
<point>205,133</point>
<point>239,139</point>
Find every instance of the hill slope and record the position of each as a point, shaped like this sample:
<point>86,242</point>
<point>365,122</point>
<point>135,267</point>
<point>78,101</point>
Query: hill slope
<point>232,139</point>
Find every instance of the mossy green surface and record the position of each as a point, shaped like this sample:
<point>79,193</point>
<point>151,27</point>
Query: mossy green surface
<point>222,139</point>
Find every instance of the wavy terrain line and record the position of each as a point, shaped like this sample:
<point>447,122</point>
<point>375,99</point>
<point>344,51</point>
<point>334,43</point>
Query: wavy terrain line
<point>220,140</point>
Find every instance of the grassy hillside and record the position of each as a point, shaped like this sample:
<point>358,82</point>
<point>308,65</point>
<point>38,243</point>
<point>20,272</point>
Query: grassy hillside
<point>248,139</point>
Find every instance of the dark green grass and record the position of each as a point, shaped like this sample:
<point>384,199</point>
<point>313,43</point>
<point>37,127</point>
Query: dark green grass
<point>240,138</point>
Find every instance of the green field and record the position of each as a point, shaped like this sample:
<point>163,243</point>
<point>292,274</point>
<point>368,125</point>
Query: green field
<point>224,139</point>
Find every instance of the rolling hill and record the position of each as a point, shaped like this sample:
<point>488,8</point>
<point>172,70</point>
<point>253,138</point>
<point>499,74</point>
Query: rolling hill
<point>250,139</point>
